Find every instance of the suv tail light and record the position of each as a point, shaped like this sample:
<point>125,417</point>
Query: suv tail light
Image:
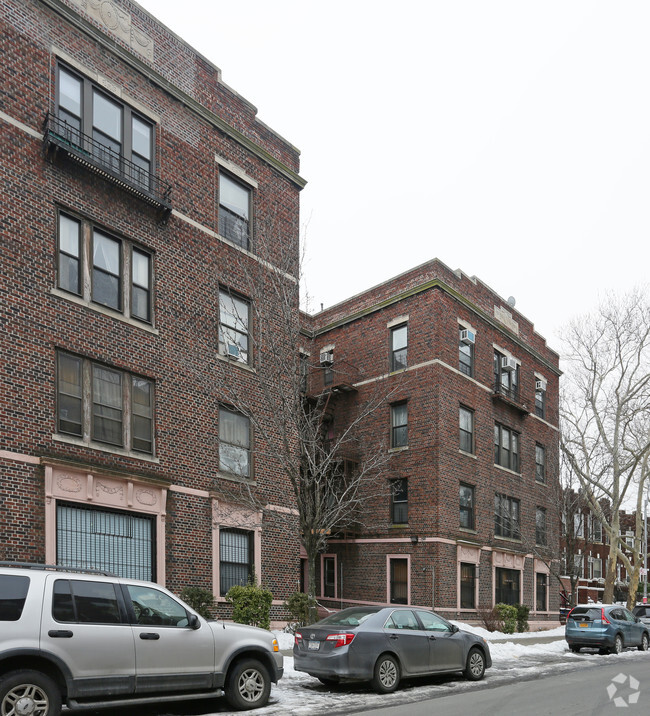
<point>603,617</point>
<point>340,639</point>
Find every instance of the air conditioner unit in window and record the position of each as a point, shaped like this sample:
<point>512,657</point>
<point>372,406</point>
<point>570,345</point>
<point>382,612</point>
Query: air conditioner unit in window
<point>508,363</point>
<point>540,386</point>
<point>327,358</point>
<point>233,350</point>
<point>467,337</point>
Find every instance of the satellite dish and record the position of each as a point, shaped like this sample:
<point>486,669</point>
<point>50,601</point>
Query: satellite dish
<point>511,301</point>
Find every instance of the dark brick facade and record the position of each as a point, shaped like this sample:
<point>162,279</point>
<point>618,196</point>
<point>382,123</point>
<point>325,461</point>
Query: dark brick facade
<point>201,127</point>
<point>435,303</point>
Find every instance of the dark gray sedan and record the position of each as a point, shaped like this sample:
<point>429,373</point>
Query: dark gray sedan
<point>384,645</point>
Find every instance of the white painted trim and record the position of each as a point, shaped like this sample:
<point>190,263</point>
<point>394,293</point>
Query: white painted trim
<point>234,169</point>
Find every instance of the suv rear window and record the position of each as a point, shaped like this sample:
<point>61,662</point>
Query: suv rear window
<point>586,613</point>
<point>13,592</point>
<point>641,611</point>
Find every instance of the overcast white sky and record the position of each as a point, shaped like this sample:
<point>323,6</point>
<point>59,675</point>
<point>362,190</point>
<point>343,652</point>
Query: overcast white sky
<point>508,139</point>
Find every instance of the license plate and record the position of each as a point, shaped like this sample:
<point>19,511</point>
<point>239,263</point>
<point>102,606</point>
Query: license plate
<point>584,624</point>
<point>313,645</point>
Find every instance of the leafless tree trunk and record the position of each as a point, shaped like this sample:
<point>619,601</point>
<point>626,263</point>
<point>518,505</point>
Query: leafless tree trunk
<point>605,410</point>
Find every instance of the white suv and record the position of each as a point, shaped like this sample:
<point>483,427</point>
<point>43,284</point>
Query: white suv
<point>89,639</point>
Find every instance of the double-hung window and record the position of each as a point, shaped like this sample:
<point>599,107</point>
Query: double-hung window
<point>399,425</point>
<point>506,447</point>
<point>466,505</point>
<point>103,404</point>
<point>466,427</point>
<point>234,443</point>
<point>506,375</point>
<point>121,273</point>
<point>399,501</point>
<point>234,211</point>
<point>112,132</point>
<point>398,347</point>
<point>540,526</point>
<point>466,351</point>
<point>234,322</point>
<point>540,463</point>
<point>506,517</point>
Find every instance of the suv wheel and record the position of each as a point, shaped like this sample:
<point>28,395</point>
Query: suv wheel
<point>29,693</point>
<point>618,645</point>
<point>248,685</point>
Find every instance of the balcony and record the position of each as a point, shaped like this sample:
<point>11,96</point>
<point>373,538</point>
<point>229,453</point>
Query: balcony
<point>60,136</point>
<point>509,396</point>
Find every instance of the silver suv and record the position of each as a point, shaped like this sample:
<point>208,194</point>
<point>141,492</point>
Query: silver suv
<point>88,639</point>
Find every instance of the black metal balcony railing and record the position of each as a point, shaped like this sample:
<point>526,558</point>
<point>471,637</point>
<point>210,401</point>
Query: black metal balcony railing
<point>106,162</point>
<point>509,395</point>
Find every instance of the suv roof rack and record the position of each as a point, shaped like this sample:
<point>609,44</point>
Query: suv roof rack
<point>57,568</point>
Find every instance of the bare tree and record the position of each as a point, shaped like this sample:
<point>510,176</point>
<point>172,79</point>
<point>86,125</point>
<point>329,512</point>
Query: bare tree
<point>279,392</point>
<point>604,414</point>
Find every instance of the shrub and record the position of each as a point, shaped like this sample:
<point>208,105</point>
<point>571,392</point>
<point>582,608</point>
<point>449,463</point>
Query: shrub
<point>251,604</point>
<point>508,616</point>
<point>201,600</point>
<point>490,619</point>
<point>522,616</point>
<point>298,607</point>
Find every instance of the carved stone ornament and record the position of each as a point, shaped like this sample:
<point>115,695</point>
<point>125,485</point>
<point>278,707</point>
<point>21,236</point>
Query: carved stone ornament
<point>469,554</point>
<point>118,22</point>
<point>505,317</point>
<point>107,490</point>
<point>146,497</point>
<point>68,483</point>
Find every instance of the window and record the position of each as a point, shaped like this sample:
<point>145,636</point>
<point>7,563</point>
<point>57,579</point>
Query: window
<point>151,606</point>
<point>234,443</point>
<point>465,355</point>
<point>506,517</point>
<point>506,375</point>
<point>119,139</point>
<point>466,421</point>
<point>329,576</point>
<point>506,588</point>
<point>541,585</point>
<point>235,559</point>
<point>234,322</point>
<point>84,602</point>
<point>100,405</point>
<point>466,500</point>
<point>596,568</point>
<point>399,425</point>
<point>578,525</point>
<point>128,292</point>
<point>577,564</point>
<point>596,530</point>
<point>13,592</point>
<point>540,403</point>
<point>540,526</point>
<point>399,501</point>
<point>467,586</point>
<point>540,463</point>
<point>506,447</point>
<point>398,347</point>
<point>234,211</point>
<point>398,581</point>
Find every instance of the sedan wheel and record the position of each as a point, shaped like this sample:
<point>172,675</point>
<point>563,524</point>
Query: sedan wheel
<point>643,646</point>
<point>475,667</point>
<point>386,677</point>
<point>618,645</point>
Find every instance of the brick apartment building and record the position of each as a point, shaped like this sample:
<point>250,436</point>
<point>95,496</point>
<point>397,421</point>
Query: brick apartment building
<point>470,514</point>
<point>135,191</point>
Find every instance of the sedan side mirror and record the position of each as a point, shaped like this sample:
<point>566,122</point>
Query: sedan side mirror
<point>454,629</point>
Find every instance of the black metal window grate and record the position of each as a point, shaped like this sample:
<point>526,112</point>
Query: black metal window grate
<point>235,559</point>
<point>108,540</point>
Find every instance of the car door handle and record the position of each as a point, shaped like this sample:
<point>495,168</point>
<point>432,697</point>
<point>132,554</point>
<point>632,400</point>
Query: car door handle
<point>60,633</point>
<point>432,638</point>
<point>149,635</point>
<point>393,636</point>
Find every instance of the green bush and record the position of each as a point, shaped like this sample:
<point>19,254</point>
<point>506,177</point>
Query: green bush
<point>201,600</point>
<point>522,617</point>
<point>508,616</point>
<point>251,605</point>
<point>298,607</point>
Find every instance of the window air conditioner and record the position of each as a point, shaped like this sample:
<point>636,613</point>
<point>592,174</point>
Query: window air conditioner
<point>467,337</point>
<point>540,385</point>
<point>327,357</point>
<point>508,363</point>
